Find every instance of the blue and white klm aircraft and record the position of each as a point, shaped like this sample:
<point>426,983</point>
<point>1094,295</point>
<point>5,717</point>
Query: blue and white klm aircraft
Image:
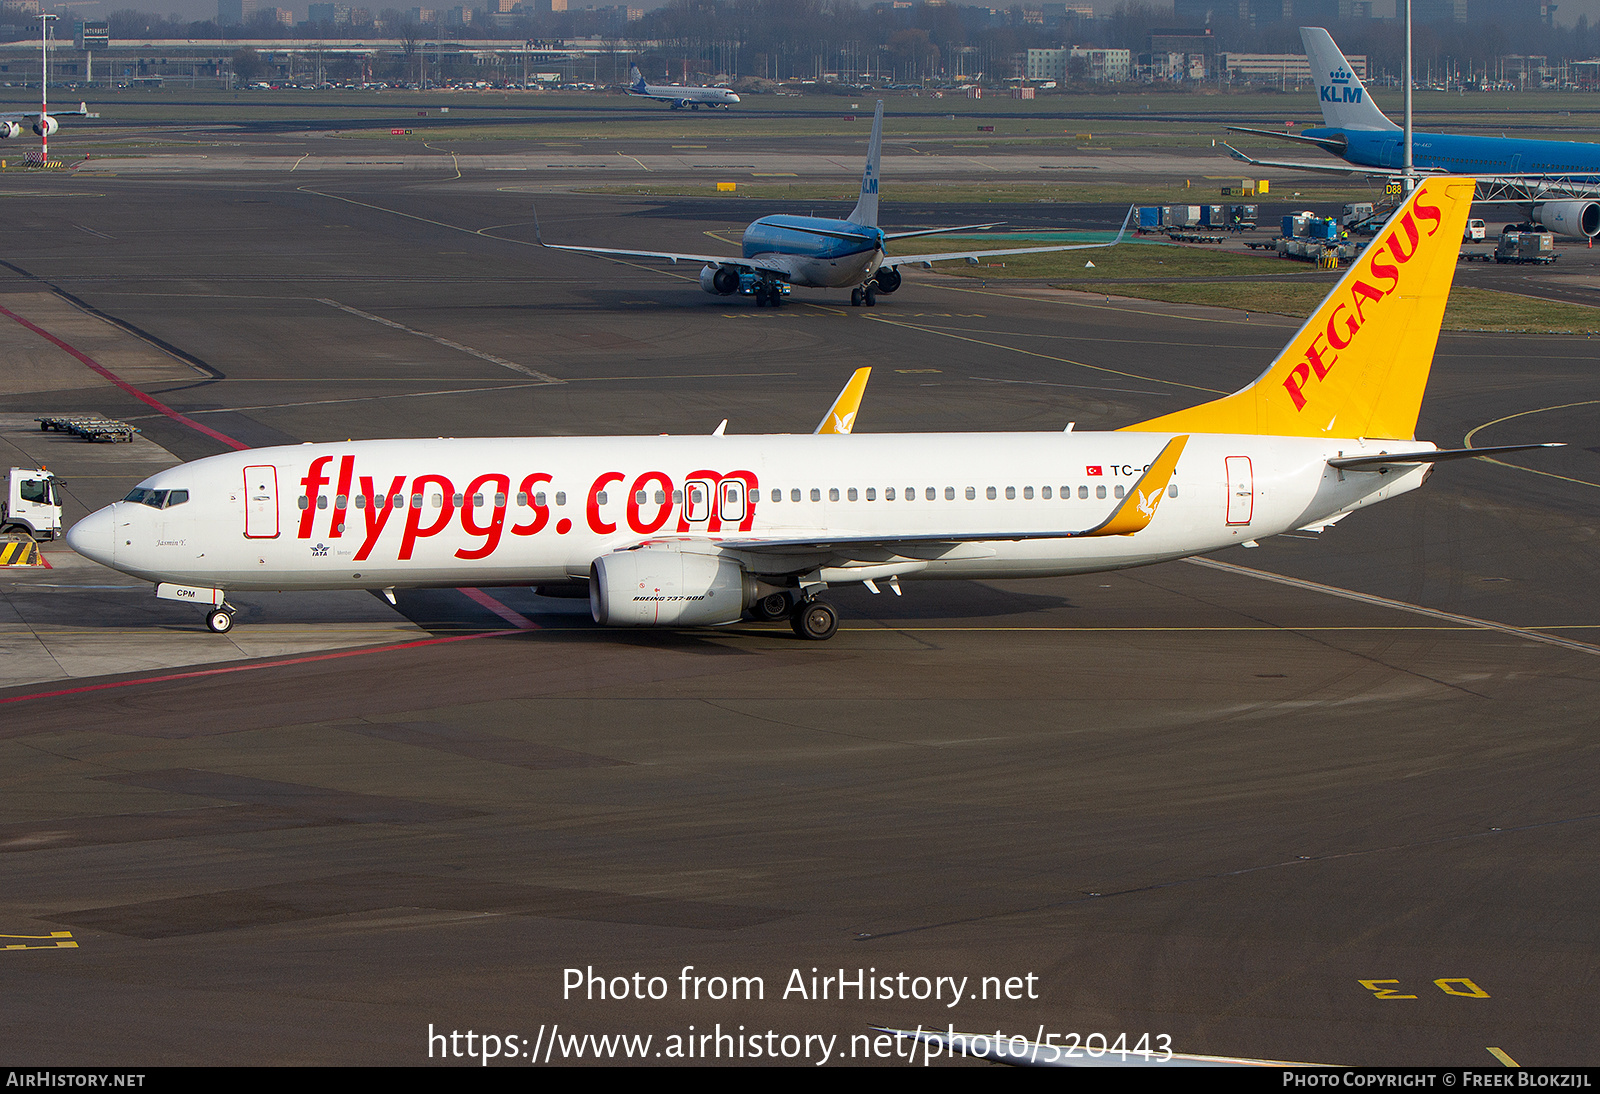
<point>678,97</point>
<point>819,253</point>
<point>1551,179</point>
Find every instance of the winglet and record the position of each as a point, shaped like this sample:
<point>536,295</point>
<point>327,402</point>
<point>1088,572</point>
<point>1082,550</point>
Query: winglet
<point>841,416</point>
<point>1138,509</point>
<point>1127,220</point>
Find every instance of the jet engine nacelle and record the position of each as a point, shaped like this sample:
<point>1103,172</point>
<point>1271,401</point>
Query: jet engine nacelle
<point>719,280</point>
<point>1573,219</point>
<point>45,126</point>
<point>661,586</point>
<point>9,130</point>
<point>888,279</point>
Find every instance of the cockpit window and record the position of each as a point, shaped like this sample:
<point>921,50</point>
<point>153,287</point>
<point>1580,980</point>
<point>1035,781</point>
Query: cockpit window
<point>157,499</point>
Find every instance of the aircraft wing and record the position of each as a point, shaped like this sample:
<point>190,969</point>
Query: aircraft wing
<point>945,256</point>
<point>943,231</point>
<point>730,261</point>
<point>1321,168</point>
<point>29,115</point>
<point>1133,515</point>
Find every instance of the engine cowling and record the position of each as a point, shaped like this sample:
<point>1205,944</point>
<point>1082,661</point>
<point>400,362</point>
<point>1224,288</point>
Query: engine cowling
<point>9,130</point>
<point>1572,219</point>
<point>719,280</point>
<point>45,126</point>
<point>888,279</point>
<point>663,586</point>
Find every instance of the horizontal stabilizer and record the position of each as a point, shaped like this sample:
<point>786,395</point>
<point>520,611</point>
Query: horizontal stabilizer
<point>1433,455</point>
<point>1336,145</point>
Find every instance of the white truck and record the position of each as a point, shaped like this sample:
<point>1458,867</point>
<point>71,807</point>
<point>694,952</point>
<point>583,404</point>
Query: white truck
<point>32,504</point>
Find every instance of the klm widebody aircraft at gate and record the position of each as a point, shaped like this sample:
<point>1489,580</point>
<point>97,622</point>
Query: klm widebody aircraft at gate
<point>819,253</point>
<point>1555,182</point>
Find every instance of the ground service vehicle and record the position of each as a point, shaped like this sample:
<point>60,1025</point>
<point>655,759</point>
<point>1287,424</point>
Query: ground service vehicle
<point>32,504</point>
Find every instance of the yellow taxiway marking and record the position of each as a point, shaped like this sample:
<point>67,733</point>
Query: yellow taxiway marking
<point>635,159</point>
<point>1041,356</point>
<point>1499,1054</point>
<point>1466,441</point>
<point>59,940</point>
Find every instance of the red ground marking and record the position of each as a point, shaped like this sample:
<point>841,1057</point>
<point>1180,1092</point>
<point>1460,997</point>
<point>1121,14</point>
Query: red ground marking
<point>521,622</point>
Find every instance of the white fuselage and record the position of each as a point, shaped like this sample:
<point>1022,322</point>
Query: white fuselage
<point>667,93</point>
<point>520,511</point>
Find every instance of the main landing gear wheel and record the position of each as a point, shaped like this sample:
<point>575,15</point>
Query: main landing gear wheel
<point>219,620</point>
<point>815,619</point>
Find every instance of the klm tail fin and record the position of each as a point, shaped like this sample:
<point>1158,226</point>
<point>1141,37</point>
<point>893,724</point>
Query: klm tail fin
<point>1358,366</point>
<point>1345,103</point>
<point>636,78</point>
<point>866,210</point>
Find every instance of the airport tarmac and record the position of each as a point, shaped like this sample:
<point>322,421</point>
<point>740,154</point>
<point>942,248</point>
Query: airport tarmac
<point>1329,800</point>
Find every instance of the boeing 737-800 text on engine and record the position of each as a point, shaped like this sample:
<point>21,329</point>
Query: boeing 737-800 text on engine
<point>678,531</point>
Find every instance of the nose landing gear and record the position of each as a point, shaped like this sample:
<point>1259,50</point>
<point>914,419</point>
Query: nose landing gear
<point>867,295</point>
<point>220,620</point>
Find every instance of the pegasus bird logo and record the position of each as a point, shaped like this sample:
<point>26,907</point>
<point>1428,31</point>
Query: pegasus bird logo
<point>1147,502</point>
<point>843,422</point>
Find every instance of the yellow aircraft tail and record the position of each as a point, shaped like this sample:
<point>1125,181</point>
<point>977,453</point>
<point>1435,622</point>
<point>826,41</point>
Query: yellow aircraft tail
<point>1358,366</point>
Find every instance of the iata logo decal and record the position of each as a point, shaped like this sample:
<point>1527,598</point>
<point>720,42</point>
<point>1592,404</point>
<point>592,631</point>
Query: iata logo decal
<point>1379,281</point>
<point>320,551</point>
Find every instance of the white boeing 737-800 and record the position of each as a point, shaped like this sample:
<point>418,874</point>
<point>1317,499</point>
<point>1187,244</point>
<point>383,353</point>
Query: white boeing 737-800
<point>680,531</point>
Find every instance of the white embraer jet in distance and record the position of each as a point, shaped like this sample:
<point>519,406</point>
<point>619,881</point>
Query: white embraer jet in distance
<point>678,97</point>
<point>680,531</point>
<point>819,253</point>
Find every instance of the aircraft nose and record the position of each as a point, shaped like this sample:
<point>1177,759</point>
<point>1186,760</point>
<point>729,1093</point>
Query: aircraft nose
<point>95,536</point>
